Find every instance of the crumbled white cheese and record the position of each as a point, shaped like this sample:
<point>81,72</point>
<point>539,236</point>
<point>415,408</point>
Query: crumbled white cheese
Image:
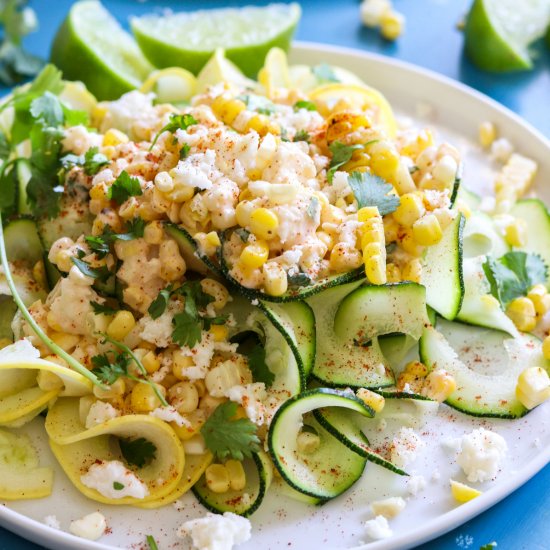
<point>78,139</point>
<point>389,507</point>
<point>416,484</point>
<point>100,412</point>
<point>216,532</point>
<point>105,475</point>
<point>251,397</point>
<point>378,528</point>
<point>22,350</point>
<point>405,447</point>
<point>52,521</point>
<point>170,414</point>
<point>501,150</point>
<point>89,527</point>
<point>159,331</point>
<point>194,445</point>
<point>123,113</point>
<point>481,454</point>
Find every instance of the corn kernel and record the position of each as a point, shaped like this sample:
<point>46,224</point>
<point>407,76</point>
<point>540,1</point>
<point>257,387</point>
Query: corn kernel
<point>416,368</point>
<point>275,279</point>
<point>213,239</point>
<point>184,397</point>
<point>164,182</point>
<point>445,171</point>
<point>217,478</point>
<point>219,332</point>
<point>427,231</point>
<point>196,420</point>
<point>410,209</point>
<point>393,273</point>
<point>254,255</point>
<point>237,477</point>
<point>180,364</point>
<point>114,137</point>
<point>412,271</point>
<point>143,398</point>
<point>384,159</point>
<point>523,314</point>
<point>67,342</point>
<point>515,233</point>
<point>173,265</point>
<point>367,212</point>
<point>372,399</point>
<point>439,385</point>
<point>307,442</point>
<point>487,134</point>
<point>392,25</point>
<point>375,269</point>
<point>217,291</point>
<point>227,109</point>
<point>114,391</point>
<point>343,257</point>
<point>151,362</point>
<point>264,223</point>
<point>462,492</point>
<point>533,387</point>
<point>540,298</point>
<point>121,325</point>
<point>243,211</point>
<point>153,233</point>
<point>53,322</point>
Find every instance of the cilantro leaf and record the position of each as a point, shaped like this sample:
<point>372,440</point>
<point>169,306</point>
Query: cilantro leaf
<point>226,436</point>
<point>299,279</point>
<point>301,135</point>
<point>92,161</point>
<point>135,230</point>
<point>187,329</point>
<point>243,234</point>
<point>137,452</point>
<point>103,308</point>
<point>100,273</point>
<point>257,365</point>
<point>151,542</point>
<point>341,153</point>
<point>47,109</point>
<point>177,122</point>
<point>324,73</point>
<point>371,190</point>
<point>98,245</point>
<point>207,322</point>
<point>304,104</point>
<point>109,371</point>
<point>184,151</point>
<point>159,304</point>
<point>513,274</point>
<point>124,187</point>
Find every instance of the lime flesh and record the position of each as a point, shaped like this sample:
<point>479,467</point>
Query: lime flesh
<point>498,33</point>
<point>92,47</point>
<point>189,39</point>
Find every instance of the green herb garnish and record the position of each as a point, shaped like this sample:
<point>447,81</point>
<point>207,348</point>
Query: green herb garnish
<point>371,190</point>
<point>137,452</point>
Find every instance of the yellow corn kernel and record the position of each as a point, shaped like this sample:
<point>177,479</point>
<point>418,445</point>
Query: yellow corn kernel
<point>147,212</point>
<point>533,387</point>
<point>212,239</point>
<point>151,362</point>
<point>261,124</point>
<point>410,209</point>
<point>487,134</point>
<point>342,123</point>
<point>5,342</point>
<point>391,229</point>
<point>372,399</point>
<point>164,182</point>
<point>67,342</point>
<point>173,265</point>
<point>264,223</point>
<point>417,369</point>
<point>53,322</point>
<point>445,215</point>
<point>153,232</point>
<point>253,174</point>
<point>180,364</point>
<point>237,477</point>
<point>515,233</point>
<point>115,390</point>
<point>98,114</point>
<point>540,298</point>
<point>403,181</point>
<point>122,323</point>
<point>414,147</point>
<point>375,269</point>
<point>393,273</point>
<point>515,177</point>
<point>128,208</point>
<point>427,231</point>
<point>384,159</point>
<point>372,249</point>
<point>343,257</point>
<point>523,314</point>
<point>227,109</point>
<point>243,211</point>
<point>143,398</point>
<point>462,492</point>
<point>325,238</point>
<point>196,420</point>
<point>114,137</point>
<point>367,212</point>
<point>184,397</point>
<point>254,255</point>
<point>63,260</point>
<point>217,478</point>
<point>439,385</point>
<point>219,332</point>
<point>307,442</point>
<point>217,291</point>
<point>275,279</point>
<point>48,381</point>
<point>412,271</point>
<point>392,24</point>
<point>99,192</point>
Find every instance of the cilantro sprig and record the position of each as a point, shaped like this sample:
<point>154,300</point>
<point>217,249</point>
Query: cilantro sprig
<point>177,122</point>
<point>371,190</point>
<point>101,244</point>
<point>226,436</point>
<point>124,187</point>
<point>137,452</point>
<point>341,154</point>
<point>92,161</point>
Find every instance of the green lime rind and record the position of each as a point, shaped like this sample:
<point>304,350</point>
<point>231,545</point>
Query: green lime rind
<point>189,39</point>
<point>92,47</point>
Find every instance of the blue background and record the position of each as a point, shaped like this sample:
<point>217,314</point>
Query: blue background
<point>432,40</point>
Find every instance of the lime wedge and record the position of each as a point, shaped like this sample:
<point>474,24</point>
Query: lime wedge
<point>189,39</point>
<point>219,69</point>
<point>92,47</point>
<point>499,32</point>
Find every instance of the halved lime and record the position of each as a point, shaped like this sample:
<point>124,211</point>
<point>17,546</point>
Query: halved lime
<point>498,32</point>
<point>92,47</point>
<point>189,39</point>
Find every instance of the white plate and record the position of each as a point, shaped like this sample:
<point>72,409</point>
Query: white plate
<point>456,111</point>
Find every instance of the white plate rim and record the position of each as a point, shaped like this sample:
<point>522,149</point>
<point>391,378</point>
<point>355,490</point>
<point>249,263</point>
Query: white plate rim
<point>42,534</point>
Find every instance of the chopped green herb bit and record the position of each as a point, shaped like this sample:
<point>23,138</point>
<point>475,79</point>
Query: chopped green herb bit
<point>137,452</point>
<point>124,187</point>
<point>371,190</point>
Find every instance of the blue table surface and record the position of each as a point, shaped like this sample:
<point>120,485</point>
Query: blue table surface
<point>521,521</point>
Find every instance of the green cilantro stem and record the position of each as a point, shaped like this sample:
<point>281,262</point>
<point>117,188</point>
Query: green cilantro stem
<point>139,364</point>
<point>152,543</point>
<point>54,348</point>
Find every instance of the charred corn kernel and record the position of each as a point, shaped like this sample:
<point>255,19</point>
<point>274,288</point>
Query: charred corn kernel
<point>515,178</point>
<point>427,231</point>
<point>219,332</point>
<point>243,212</point>
<point>52,321</point>
<point>412,271</point>
<point>487,134</point>
<point>408,382</point>
<point>184,397</point>
<point>151,362</point>
<point>462,492</point>
<point>264,223</point>
<point>515,232</point>
<point>48,381</point>
<point>307,442</point>
<point>410,209</point>
<point>143,398</point>
<point>384,159</point>
<point>223,376</point>
<point>367,212</point>
<point>147,213</point>
<point>275,279</point>
<point>180,364</point>
<point>392,24</point>
<point>540,298</point>
<point>344,257</point>
<point>217,291</point>
<point>5,342</point>
<point>114,390</point>
<point>439,385</point>
<point>114,137</point>
<point>416,368</point>
<point>172,264</point>
<point>254,255</point>
<point>372,399</point>
<point>99,192</point>
<point>227,109</point>
<point>523,314</point>
<point>217,478</point>
<point>375,270</point>
<point>164,182</point>
<point>403,181</point>
<point>237,477</point>
<point>533,387</point>
<point>67,342</point>
<point>122,323</point>
<point>342,123</point>
<point>153,233</point>
<point>393,273</point>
